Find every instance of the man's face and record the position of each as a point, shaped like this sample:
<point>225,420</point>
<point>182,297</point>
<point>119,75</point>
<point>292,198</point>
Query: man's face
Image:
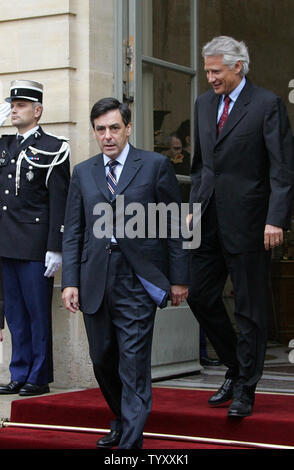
<point>24,115</point>
<point>175,147</point>
<point>111,133</point>
<point>222,79</point>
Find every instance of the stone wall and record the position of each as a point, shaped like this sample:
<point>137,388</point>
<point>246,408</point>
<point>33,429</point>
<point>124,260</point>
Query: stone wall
<point>68,46</point>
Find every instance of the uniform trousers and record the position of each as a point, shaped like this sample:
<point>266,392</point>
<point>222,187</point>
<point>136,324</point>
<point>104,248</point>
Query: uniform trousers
<point>120,341</point>
<point>240,347</point>
<point>28,298</point>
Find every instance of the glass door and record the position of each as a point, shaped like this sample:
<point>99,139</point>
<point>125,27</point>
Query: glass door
<point>157,76</point>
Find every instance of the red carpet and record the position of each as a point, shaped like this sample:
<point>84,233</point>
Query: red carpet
<point>175,411</point>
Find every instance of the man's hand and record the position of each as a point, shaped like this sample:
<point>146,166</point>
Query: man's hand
<point>70,297</point>
<point>5,110</point>
<point>189,218</point>
<point>273,236</point>
<point>178,294</point>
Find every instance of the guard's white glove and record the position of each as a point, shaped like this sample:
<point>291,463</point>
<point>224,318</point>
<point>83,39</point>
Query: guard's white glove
<point>53,261</point>
<point>5,109</point>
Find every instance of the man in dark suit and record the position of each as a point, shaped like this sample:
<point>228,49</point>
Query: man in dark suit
<point>242,174</point>
<point>116,279</point>
<point>34,180</point>
<point>1,304</point>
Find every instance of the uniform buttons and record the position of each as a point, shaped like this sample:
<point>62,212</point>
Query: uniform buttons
<point>30,167</point>
<point>4,208</point>
<point>6,191</point>
<point>10,176</point>
<point>13,161</point>
<point>37,219</point>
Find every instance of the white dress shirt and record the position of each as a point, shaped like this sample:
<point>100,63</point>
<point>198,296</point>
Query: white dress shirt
<point>121,159</point>
<point>233,96</point>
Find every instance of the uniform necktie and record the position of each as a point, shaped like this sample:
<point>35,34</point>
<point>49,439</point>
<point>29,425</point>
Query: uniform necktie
<point>19,139</point>
<point>225,114</point>
<point>111,179</point>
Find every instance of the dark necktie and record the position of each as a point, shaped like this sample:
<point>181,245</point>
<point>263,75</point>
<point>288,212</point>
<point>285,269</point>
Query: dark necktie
<point>19,139</point>
<point>111,179</point>
<point>225,114</point>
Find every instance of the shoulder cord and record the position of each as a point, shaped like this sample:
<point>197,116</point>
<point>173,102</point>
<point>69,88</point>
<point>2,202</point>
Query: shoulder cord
<point>65,148</point>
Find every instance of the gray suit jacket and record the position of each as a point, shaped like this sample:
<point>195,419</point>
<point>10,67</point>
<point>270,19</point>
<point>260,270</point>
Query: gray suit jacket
<point>147,177</point>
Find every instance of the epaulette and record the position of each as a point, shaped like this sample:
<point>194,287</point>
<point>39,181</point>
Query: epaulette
<point>59,137</point>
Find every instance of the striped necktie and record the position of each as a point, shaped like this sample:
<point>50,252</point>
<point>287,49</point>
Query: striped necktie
<point>111,179</point>
<point>225,114</point>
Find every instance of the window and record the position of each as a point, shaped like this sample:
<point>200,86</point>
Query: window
<point>159,77</point>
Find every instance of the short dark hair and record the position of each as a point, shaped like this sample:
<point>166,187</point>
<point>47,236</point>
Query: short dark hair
<point>108,104</point>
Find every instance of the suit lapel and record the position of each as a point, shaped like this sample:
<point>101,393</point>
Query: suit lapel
<point>98,172</point>
<point>212,112</point>
<point>239,110</point>
<point>131,167</point>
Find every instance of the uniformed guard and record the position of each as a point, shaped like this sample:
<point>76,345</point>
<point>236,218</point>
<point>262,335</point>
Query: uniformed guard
<point>34,179</point>
<point>1,304</point>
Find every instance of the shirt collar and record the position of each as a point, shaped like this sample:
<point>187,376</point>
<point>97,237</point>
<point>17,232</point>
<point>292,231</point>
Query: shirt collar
<point>236,92</point>
<point>28,133</point>
<point>121,158</point>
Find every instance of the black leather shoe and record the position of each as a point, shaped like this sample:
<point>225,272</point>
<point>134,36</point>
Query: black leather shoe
<point>110,440</point>
<point>206,361</point>
<point>240,408</point>
<point>29,390</point>
<point>223,394</point>
<point>12,387</point>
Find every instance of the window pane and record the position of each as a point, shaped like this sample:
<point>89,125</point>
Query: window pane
<point>172,31</point>
<point>166,101</point>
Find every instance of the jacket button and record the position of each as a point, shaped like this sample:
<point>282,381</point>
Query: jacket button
<point>13,161</point>
<point>4,208</point>
<point>6,191</point>
<point>37,219</point>
<point>10,176</point>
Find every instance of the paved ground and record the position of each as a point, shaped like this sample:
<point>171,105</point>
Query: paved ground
<point>278,374</point>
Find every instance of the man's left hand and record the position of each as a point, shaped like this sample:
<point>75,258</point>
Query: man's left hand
<point>273,236</point>
<point>178,294</point>
<point>53,262</point>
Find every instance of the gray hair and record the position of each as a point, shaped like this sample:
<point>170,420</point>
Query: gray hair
<point>35,104</point>
<point>230,49</point>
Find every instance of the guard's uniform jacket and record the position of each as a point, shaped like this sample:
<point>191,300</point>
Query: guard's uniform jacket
<point>34,180</point>
<point>1,299</point>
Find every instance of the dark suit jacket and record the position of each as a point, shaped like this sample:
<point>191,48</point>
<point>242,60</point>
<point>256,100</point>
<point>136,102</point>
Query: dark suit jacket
<point>249,167</point>
<point>1,299</point>
<point>147,177</point>
<point>31,222</point>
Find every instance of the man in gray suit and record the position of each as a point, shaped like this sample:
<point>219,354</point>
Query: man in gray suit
<point>242,174</point>
<point>118,280</point>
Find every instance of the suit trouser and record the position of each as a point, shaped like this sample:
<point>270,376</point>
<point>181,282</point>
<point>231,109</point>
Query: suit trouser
<point>120,341</point>
<point>242,349</point>
<point>28,296</point>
